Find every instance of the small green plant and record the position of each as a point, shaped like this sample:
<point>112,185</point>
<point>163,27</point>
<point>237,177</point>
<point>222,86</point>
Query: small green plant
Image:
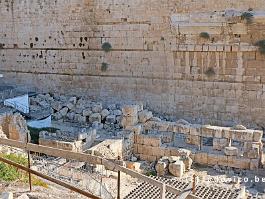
<point>106,46</point>
<point>261,45</point>
<point>104,66</point>
<point>11,174</point>
<point>205,35</point>
<point>151,173</point>
<point>248,16</point>
<point>210,72</point>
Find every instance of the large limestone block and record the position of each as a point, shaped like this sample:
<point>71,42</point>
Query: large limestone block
<point>152,141</point>
<point>195,129</point>
<point>184,129</point>
<point>97,108</point>
<point>95,117</point>
<point>239,162</point>
<point>257,136</point>
<point>222,160</point>
<point>253,153</point>
<point>220,144</point>
<point>201,158</point>
<point>104,113</point>
<point>212,159</point>
<point>207,131</point>
<point>180,152</point>
<point>231,151</point>
<point>162,167</point>
<point>188,163</point>
<point>144,116</point>
<point>137,129</point>
<point>254,164</point>
<point>111,119</point>
<point>129,121</point>
<point>242,135</point>
<point>194,140</point>
<point>64,111</point>
<point>130,110</point>
<point>177,168</point>
<point>227,133</point>
<point>87,112</point>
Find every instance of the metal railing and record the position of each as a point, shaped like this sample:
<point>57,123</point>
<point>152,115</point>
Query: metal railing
<point>91,159</point>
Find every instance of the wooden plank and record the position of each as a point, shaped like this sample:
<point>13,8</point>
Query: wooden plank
<point>64,154</point>
<point>13,143</point>
<point>61,183</point>
<point>185,193</point>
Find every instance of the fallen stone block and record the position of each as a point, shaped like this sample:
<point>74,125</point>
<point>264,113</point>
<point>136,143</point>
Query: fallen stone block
<point>64,111</point>
<point>87,112</point>
<point>137,129</point>
<point>177,168</point>
<point>111,119</point>
<point>187,162</point>
<point>130,110</point>
<point>129,121</point>
<point>162,167</point>
<point>231,151</point>
<point>144,116</point>
<point>104,113</point>
<point>95,117</point>
<point>97,108</point>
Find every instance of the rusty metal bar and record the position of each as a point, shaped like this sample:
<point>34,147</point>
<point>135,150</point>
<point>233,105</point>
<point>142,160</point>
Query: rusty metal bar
<point>63,184</point>
<point>119,183</point>
<point>30,182</point>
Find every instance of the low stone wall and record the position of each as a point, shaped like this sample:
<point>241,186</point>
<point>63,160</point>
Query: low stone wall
<point>235,147</point>
<point>77,143</point>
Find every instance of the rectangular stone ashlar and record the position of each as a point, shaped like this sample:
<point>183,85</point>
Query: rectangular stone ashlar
<point>257,136</point>
<point>220,144</point>
<point>231,151</point>
<point>177,168</point>
<point>195,129</point>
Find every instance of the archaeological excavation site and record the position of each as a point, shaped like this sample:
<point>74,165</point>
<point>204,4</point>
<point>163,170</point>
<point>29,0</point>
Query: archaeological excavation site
<point>132,99</point>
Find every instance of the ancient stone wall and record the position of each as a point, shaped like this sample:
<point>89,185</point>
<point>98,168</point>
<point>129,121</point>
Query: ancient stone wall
<point>157,56</point>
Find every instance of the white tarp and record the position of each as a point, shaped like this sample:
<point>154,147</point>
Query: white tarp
<point>45,123</point>
<point>21,103</point>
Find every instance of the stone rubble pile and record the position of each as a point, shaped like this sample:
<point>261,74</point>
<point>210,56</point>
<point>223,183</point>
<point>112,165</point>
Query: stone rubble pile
<point>79,110</point>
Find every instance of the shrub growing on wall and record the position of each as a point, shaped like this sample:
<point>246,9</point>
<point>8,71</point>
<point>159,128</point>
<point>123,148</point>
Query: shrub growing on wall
<point>106,47</point>
<point>261,45</point>
<point>205,35</point>
<point>248,16</point>
<point>210,72</point>
<point>104,66</point>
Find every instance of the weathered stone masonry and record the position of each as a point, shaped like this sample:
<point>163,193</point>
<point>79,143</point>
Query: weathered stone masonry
<point>157,56</point>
